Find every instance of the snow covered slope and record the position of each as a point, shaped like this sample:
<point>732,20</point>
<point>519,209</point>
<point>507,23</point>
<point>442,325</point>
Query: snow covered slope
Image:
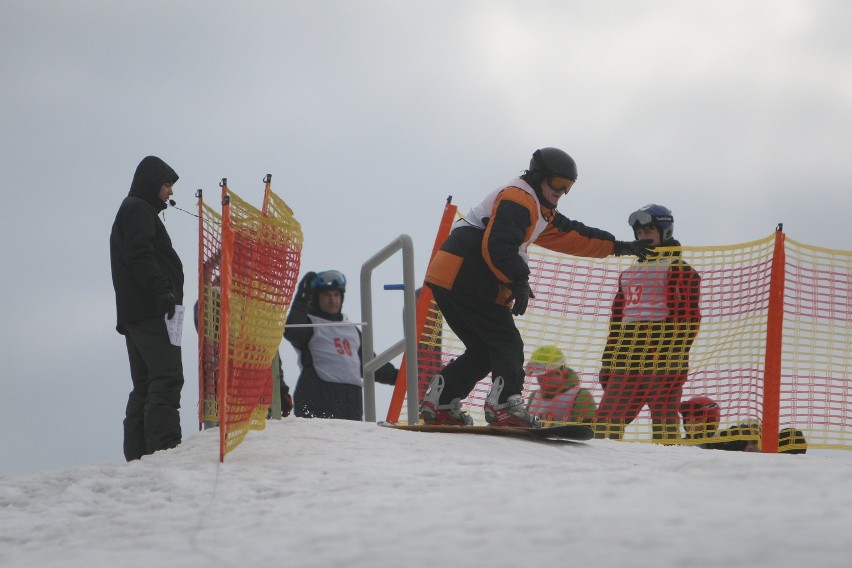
<point>332,493</point>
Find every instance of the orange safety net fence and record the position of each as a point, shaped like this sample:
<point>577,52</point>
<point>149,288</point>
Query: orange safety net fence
<point>728,355</point>
<point>246,287</point>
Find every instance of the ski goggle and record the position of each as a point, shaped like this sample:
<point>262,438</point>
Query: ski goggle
<point>559,184</point>
<point>645,218</point>
<point>329,278</point>
<point>541,369</point>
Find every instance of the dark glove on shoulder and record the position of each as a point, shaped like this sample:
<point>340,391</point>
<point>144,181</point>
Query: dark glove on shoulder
<point>303,292</point>
<point>639,248</point>
<point>521,294</point>
<point>166,304</point>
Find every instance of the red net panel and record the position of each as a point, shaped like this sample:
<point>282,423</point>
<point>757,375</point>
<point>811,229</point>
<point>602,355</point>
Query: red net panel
<point>246,291</point>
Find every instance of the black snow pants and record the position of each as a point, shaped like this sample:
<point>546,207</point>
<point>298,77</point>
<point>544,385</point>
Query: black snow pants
<point>152,418</point>
<point>492,344</point>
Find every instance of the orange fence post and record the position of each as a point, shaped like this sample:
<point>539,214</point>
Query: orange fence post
<point>774,337</point>
<point>422,309</point>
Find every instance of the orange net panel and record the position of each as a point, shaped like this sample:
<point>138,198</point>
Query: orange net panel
<point>246,297</point>
<point>651,364</point>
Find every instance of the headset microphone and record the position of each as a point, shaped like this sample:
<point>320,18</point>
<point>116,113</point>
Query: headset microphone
<point>173,203</point>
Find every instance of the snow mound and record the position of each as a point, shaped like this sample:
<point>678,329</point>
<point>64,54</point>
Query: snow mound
<point>335,493</point>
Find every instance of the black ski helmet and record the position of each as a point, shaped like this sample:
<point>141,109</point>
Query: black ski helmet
<point>553,162</point>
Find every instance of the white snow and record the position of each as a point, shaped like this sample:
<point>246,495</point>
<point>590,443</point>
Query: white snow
<point>330,493</point>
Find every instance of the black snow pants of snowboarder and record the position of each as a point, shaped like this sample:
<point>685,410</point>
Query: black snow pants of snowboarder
<point>492,344</point>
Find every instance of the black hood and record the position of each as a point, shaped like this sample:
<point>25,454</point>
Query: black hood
<point>151,174</point>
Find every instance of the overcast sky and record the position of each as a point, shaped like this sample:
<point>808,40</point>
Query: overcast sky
<point>737,115</point>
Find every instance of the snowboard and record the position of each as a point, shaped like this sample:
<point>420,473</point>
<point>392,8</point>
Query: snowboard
<point>572,432</point>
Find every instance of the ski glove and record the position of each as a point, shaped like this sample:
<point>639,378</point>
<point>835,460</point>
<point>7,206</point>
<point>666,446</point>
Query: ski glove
<point>639,248</point>
<point>303,292</point>
<point>521,294</point>
<point>166,304</point>
<point>603,377</point>
<point>286,405</point>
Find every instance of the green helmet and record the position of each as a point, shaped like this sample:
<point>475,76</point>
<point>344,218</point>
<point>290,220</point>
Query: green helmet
<point>549,358</point>
<point>546,358</point>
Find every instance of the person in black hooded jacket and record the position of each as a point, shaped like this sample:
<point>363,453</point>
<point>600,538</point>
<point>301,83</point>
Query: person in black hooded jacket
<point>147,276</point>
<point>331,378</point>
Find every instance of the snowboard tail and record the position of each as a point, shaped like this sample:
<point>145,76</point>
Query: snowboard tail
<point>573,432</point>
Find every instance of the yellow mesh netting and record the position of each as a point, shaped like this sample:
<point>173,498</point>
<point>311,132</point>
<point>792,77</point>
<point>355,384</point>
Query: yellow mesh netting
<point>209,306</point>
<point>728,359</point>
<point>249,296</point>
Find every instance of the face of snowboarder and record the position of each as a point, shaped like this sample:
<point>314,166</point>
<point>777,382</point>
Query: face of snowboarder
<point>330,301</point>
<point>554,187</point>
<point>649,232</point>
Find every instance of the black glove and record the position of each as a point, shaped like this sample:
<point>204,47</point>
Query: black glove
<point>286,405</point>
<point>166,304</point>
<point>603,378</point>
<point>303,292</point>
<point>639,248</point>
<point>521,294</point>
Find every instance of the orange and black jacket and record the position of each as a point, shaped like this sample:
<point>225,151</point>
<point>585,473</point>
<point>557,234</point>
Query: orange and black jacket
<point>487,250</point>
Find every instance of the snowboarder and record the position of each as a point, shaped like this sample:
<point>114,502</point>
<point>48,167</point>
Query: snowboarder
<point>654,321</point>
<point>331,378</point>
<point>480,280</point>
<point>560,397</point>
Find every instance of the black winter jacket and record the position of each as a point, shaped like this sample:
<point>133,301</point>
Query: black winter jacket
<point>144,263</point>
<point>314,397</point>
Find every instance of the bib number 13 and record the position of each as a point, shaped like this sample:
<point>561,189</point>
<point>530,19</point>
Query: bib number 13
<point>633,294</point>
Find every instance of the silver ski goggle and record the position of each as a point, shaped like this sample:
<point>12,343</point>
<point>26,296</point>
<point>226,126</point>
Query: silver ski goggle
<point>329,278</point>
<point>645,218</point>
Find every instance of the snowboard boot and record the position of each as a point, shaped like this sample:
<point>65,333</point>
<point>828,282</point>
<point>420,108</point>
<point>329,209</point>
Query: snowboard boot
<point>511,413</point>
<point>434,413</point>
